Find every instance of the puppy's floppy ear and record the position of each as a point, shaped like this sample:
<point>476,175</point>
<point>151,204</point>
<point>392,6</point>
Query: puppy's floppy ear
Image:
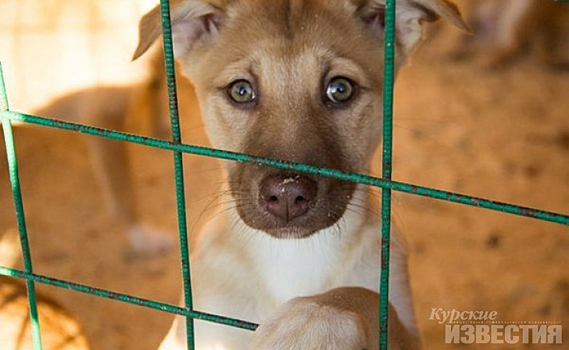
<point>193,22</point>
<point>410,15</point>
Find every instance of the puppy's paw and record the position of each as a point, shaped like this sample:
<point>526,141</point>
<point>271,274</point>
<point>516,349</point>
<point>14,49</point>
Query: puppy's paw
<point>145,241</point>
<point>328,321</point>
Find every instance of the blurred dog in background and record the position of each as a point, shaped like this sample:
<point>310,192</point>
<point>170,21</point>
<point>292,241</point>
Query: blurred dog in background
<point>503,30</point>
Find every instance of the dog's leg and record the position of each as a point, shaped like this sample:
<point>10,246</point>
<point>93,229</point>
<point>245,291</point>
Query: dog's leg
<point>349,314</point>
<point>339,319</point>
<point>344,318</point>
<point>108,107</point>
<point>111,162</point>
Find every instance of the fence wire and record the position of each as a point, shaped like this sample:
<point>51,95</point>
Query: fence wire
<point>178,149</point>
<point>178,166</point>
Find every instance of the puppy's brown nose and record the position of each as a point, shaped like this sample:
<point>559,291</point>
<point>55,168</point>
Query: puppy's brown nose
<point>288,197</point>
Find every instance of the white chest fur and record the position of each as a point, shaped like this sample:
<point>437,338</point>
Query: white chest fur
<point>293,268</point>
<point>342,255</point>
<point>247,274</point>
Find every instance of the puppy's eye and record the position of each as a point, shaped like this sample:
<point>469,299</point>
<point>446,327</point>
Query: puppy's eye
<point>241,91</point>
<point>339,90</point>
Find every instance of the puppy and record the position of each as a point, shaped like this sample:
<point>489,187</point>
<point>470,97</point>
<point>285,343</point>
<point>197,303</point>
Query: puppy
<point>298,80</point>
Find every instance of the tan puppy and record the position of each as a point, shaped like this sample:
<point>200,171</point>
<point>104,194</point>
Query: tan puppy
<point>299,80</point>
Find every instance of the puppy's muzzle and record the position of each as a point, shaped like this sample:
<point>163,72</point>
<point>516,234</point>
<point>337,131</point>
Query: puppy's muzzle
<point>288,197</point>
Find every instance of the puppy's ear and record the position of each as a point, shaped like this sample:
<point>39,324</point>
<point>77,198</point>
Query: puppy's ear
<point>193,22</point>
<point>410,16</point>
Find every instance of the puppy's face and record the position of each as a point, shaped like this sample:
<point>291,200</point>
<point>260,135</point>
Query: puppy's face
<point>296,80</point>
<point>284,82</point>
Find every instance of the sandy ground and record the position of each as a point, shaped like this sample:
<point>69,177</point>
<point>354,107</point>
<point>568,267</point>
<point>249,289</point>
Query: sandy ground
<point>502,135</point>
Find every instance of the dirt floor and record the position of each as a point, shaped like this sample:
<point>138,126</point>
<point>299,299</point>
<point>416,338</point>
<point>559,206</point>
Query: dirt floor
<point>500,134</point>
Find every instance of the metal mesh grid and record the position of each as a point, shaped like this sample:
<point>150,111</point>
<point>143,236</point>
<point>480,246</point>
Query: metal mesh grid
<point>178,148</point>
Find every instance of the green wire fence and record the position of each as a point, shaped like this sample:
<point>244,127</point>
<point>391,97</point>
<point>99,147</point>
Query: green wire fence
<point>178,148</point>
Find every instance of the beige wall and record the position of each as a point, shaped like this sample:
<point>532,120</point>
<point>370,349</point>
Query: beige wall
<point>49,47</point>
